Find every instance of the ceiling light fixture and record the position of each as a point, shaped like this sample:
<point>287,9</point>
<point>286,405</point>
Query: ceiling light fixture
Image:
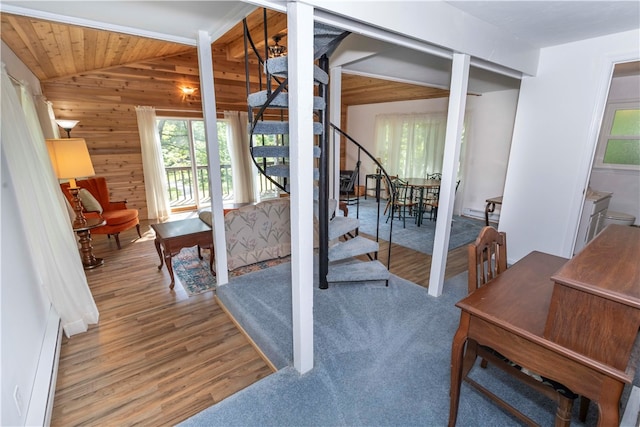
<point>277,50</point>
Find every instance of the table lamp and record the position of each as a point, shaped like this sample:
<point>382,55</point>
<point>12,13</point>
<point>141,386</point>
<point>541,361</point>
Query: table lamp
<point>70,159</point>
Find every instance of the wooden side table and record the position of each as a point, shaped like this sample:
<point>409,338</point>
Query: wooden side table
<point>185,233</point>
<point>89,261</point>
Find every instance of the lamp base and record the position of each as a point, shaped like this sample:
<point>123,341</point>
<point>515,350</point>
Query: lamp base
<point>80,220</point>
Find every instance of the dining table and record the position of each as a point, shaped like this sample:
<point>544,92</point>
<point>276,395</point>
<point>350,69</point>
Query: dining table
<point>418,186</point>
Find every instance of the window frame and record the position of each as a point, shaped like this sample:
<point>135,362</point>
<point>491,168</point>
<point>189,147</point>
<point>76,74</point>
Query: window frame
<point>605,136</point>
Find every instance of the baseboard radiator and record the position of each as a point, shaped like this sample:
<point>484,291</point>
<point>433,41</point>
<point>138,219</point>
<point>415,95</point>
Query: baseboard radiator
<point>41,400</point>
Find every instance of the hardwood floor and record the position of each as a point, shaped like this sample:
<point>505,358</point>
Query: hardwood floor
<point>157,356</point>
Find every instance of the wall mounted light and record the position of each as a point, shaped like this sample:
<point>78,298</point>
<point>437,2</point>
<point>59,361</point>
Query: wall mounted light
<point>67,125</point>
<point>187,91</point>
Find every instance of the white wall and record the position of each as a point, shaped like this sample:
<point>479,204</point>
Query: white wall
<point>25,309</point>
<point>485,157</point>
<point>624,184</point>
<point>557,124</point>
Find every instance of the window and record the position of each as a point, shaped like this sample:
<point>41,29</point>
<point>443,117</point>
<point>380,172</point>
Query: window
<point>184,151</point>
<point>412,145</point>
<point>619,144</point>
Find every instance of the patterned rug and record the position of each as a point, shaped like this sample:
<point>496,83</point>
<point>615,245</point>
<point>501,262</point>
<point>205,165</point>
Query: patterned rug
<point>194,274</point>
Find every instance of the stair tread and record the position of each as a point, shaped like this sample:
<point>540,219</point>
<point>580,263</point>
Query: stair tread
<point>284,171</point>
<point>279,67</point>
<point>277,151</point>
<point>352,247</point>
<point>258,99</point>
<point>340,225</point>
<point>357,272</point>
<point>274,127</point>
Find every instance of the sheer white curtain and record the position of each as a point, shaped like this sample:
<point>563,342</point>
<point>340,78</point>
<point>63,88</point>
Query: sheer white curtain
<point>155,180</point>
<point>47,117</point>
<point>49,235</point>
<point>242,167</point>
<point>410,145</point>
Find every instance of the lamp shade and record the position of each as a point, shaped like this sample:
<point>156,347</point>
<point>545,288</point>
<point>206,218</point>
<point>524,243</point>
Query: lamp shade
<point>70,158</point>
<point>66,124</point>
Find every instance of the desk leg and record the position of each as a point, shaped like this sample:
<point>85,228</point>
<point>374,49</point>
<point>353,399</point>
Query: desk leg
<point>608,410</point>
<point>457,353</point>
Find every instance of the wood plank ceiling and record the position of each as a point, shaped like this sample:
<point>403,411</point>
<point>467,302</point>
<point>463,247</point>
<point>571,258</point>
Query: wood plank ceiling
<point>99,77</point>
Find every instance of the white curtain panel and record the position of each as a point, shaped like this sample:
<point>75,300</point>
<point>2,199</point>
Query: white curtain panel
<point>410,145</point>
<point>155,180</point>
<point>50,237</point>
<point>47,118</point>
<point>242,167</point>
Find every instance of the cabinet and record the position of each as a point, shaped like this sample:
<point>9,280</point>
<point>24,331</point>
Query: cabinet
<point>595,206</point>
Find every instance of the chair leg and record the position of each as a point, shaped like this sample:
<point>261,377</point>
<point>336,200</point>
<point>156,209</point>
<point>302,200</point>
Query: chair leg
<point>138,230</point>
<point>117,237</point>
<point>563,413</point>
<point>584,408</point>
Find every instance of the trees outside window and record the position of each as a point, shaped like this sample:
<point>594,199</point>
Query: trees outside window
<point>184,150</point>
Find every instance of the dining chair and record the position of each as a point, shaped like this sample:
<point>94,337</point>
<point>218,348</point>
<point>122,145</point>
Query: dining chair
<point>401,201</point>
<point>387,191</point>
<point>487,258</point>
<point>347,186</point>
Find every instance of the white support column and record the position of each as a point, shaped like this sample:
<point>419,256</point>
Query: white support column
<point>455,121</point>
<point>205,64</point>
<point>335,111</point>
<point>301,140</point>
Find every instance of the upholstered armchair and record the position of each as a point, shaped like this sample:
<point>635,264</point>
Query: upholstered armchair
<point>96,203</point>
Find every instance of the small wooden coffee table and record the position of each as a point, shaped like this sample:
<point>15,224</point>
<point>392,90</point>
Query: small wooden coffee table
<point>175,235</point>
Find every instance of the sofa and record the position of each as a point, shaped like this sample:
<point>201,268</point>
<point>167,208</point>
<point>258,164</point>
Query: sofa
<point>255,233</point>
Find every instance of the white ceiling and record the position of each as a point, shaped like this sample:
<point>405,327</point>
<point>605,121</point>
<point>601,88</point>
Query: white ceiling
<point>549,23</point>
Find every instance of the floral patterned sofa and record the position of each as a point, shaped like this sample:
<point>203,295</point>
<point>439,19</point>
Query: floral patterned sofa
<point>256,233</point>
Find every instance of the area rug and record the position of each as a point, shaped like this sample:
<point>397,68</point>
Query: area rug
<point>463,229</point>
<point>195,276</point>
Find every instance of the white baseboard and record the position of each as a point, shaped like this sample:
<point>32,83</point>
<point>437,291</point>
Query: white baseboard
<point>44,387</point>
<point>478,214</point>
<point>631,416</point>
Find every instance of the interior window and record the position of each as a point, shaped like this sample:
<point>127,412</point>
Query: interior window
<point>619,144</point>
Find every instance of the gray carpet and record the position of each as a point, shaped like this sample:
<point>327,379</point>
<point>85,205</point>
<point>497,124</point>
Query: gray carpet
<point>463,229</point>
<point>382,358</point>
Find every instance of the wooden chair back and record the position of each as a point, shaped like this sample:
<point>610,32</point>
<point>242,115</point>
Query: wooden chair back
<point>487,257</point>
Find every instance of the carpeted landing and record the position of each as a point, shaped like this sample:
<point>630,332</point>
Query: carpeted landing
<point>382,358</point>
<point>407,233</point>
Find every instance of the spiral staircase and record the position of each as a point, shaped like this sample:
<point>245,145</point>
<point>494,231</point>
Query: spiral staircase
<point>338,237</point>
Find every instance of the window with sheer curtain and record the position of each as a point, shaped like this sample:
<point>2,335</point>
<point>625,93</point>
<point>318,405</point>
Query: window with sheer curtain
<point>411,145</point>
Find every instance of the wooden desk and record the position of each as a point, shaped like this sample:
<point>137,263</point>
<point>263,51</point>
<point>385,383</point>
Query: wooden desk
<point>175,235</point>
<point>510,314</point>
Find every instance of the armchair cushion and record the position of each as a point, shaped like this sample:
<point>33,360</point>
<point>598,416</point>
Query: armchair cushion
<point>89,202</point>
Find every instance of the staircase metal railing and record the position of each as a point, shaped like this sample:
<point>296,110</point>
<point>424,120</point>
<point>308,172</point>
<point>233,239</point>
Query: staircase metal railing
<point>339,133</point>
<point>269,101</point>
<point>263,84</point>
